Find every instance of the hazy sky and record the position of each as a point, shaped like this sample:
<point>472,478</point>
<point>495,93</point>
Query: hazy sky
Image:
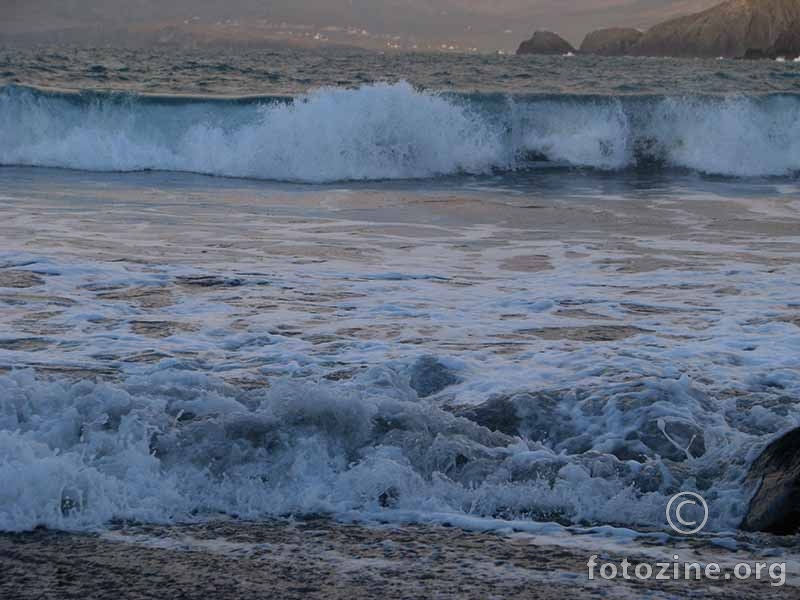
<point>425,18</point>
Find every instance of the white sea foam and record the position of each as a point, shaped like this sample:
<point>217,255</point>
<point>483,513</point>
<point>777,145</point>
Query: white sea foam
<point>173,445</point>
<point>284,386</point>
<point>599,434</point>
<point>378,132</point>
<point>394,131</point>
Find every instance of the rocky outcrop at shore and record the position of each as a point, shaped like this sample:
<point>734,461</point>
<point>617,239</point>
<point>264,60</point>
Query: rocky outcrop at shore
<point>545,42</point>
<point>429,376</point>
<point>729,29</point>
<point>775,507</point>
<point>615,41</point>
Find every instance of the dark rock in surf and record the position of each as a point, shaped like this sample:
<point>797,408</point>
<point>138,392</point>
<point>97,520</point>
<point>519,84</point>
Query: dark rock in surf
<point>615,41</point>
<point>775,507</point>
<point>537,416</point>
<point>543,418</point>
<point>545,42</point>
<point>496,414</point>
<point>429,376</point>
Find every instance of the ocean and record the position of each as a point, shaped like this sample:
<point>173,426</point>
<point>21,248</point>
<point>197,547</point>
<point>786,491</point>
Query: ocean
<point>551,292</point>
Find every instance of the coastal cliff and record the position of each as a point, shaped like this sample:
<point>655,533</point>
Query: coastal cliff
<point>729,29</point>
<point>732,29</point>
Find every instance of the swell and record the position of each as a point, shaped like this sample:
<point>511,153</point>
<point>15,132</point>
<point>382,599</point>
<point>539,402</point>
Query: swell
<point>393,131</point>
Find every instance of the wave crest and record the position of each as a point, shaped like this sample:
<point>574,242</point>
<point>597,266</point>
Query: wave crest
<point>392,131</point>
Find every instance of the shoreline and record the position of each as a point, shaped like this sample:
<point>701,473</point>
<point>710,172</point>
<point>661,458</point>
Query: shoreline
<point>170,289</point>
<point>319,558</point>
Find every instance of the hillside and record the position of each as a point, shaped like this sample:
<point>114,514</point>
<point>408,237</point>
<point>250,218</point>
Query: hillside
<point>729,29</point>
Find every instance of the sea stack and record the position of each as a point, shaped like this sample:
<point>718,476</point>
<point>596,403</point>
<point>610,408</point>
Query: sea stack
<point>615,41</point>
<point>545,42</point>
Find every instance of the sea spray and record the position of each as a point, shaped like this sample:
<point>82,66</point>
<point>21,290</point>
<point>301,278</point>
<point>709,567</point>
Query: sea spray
<point>175,445</point>
<point>393,131</point>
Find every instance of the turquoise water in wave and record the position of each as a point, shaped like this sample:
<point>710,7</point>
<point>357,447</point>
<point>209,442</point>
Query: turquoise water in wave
<point>309,117</point>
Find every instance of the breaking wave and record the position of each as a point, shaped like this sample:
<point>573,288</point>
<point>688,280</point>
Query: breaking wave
<point>175,445</point>
<point>392,131</point>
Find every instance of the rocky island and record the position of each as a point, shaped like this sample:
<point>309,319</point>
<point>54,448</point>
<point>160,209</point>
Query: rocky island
<point>615,41</point>
<point>545,42</point>
<point>732,29</point>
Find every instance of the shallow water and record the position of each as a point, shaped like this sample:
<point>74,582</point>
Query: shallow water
<point>508,289</point>
<point>180,346</point>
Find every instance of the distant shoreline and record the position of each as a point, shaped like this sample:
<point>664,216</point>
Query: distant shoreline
<point>767,29</point>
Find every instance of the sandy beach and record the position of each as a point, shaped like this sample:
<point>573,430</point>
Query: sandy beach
<point>322,559</point>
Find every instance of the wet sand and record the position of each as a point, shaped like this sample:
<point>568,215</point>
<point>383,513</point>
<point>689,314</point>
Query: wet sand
<point>320,559</point>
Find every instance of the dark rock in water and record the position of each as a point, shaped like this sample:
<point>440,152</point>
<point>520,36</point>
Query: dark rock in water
<point>543,417</point>
<point>429,376</point>
<point>633,450</point>
<point>775,507</point>
<point>545,42</point>
<point>537,416</point>
<point>672,439</point>
<point>615,41</point>
<point>496,414</point>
